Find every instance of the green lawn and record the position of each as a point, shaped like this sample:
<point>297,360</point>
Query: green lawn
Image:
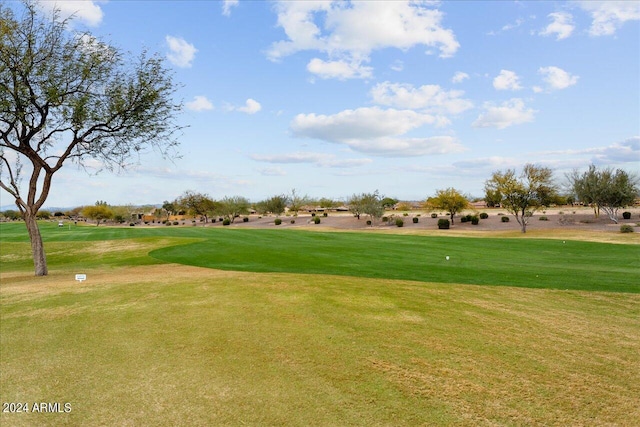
<point>535,263</point>
<point>327,340</point>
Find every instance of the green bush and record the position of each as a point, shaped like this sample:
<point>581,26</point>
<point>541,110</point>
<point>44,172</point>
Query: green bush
<point>543,218</point>
<point>368,222</point>
<point>484,215</point>
<point>475,220</point>
<point>434,215</point>
<point>175,223</point>
<point>505,219</point>
<point>385,218</point>
<point>626,215</point>
<point>131,224</point>
<point>293,221</point>
<point>443,224</point>
<point>245,219</point>
<point>405,214</point>
<point>325,214</point>
<point>464,219</point>
<point>415,219</point>
<point>626,228</point>
<point>226,221</point>
<point>399,222</point>
<point>316,219</point>
<point>167,223</point>
<point>277,221</point>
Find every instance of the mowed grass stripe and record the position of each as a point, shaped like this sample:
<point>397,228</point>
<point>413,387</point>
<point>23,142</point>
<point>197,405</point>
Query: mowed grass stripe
<point>536,263</point>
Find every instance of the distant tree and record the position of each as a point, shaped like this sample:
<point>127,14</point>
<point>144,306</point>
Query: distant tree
<point>261,207</point>
<point>68,97</point>
<point>276,204</point>
<point>605,189</point>
<point>297,201</point>
<point>367,204</point>
<point>231,207</point>
<point>492,198</point>
<point>12,214</point>
<point>169,208</point>
<point>196,204</point>
<point>403,206</point>
<point>98,213</point>
<point>42,214</point>
<point>449,200</point>
<point>388,202</point>
<point>327,203</point>
<point>523,194</point>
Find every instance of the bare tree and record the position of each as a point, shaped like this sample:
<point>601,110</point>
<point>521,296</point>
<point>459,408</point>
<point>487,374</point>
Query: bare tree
<point>68,97</point>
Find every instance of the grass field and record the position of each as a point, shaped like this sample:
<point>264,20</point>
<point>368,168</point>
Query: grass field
<point>301,328</point>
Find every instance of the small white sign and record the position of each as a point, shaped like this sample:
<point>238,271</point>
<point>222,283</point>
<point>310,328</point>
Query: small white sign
<point>81,277</point>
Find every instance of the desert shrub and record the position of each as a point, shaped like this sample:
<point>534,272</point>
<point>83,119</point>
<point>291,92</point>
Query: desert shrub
<point>213,220</point>
<point>313,214</point>
<point>399,222</point>
<point>475,220</point>
<point>385,219</point>
<point>434,215</point>
<point>626,228</point>
<point>464,219</point>
<point>469,216</point>
<point>175,222</point>
<point>560,213</point>
<point>325,214</point>
<point>277,221</point>
<point>443,224</point>
<point>131,224</point>
<point>505,219</point>
<point>415,219</point>
<point>293,221</point>
<point>484,215</point>
<point>245,219</point>
<point>316,220</point>
<point>543,218</point>
<point>368,222</point>
<point>226,221</point>
<point>626,215</point>
<point>405,214</point>
<point>167,223</point>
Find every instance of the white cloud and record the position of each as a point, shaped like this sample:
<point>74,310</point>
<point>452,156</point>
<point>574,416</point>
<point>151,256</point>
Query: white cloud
<point>181,53</point>
<point>507,80</point>
<point>509,113</point>
<point>349,31</point>
<point>199,103</point>
<point>251,107</point>
<point>430,98</point>
<point>318,159</point>
<point>276,171</point>
<point>375,131</point>
<point>227,5</point>
<point>341,70</point>
<point>86,11</point>
<point>459,77</point>
<point>556,78</point>
<point>397,65</point>
<point>627,151</point>
<point>561,25</point>
<point>608,16</point>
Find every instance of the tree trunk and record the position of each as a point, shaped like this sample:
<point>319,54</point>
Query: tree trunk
<point>37,248</point>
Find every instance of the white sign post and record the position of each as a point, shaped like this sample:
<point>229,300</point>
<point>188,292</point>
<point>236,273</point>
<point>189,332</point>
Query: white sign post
<point>81,277</point>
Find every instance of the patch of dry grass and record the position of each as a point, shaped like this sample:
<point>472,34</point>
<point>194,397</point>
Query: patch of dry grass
<point>178,345</point>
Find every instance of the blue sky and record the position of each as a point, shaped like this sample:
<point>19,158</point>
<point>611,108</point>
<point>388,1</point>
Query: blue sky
<point>404,97</point>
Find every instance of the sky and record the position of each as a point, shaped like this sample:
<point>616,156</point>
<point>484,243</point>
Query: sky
<point>333,98</point>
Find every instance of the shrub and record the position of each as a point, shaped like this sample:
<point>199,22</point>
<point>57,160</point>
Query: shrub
<point>405,214</point>
<point>325,214</point>
<point>293,221</point>
<point>167,223</point>
<point>313,214</point>
<point>213,220</point>
<point>505,219</point>
<point>277,221</point>
<point>434,215</point>
<point>475,220</point>
<point>175,223</point>
<point>626,215</point>
<point>464,219</point>
<point>245,219</point>
<point>316,219</point>
<point>385,219</point>
<point>484,215</point>
<point>226,221</point>
<point>131,224</point>
<point>399,222</point>
<point>415,219</point>
<point>443,224</point>
<point>626,228</point>
<point>543,218</point>
<point>368,222</point>
<point>468,217</point>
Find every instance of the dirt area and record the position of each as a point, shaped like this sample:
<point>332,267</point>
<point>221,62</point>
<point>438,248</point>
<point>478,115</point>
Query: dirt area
<point>570,220</point>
